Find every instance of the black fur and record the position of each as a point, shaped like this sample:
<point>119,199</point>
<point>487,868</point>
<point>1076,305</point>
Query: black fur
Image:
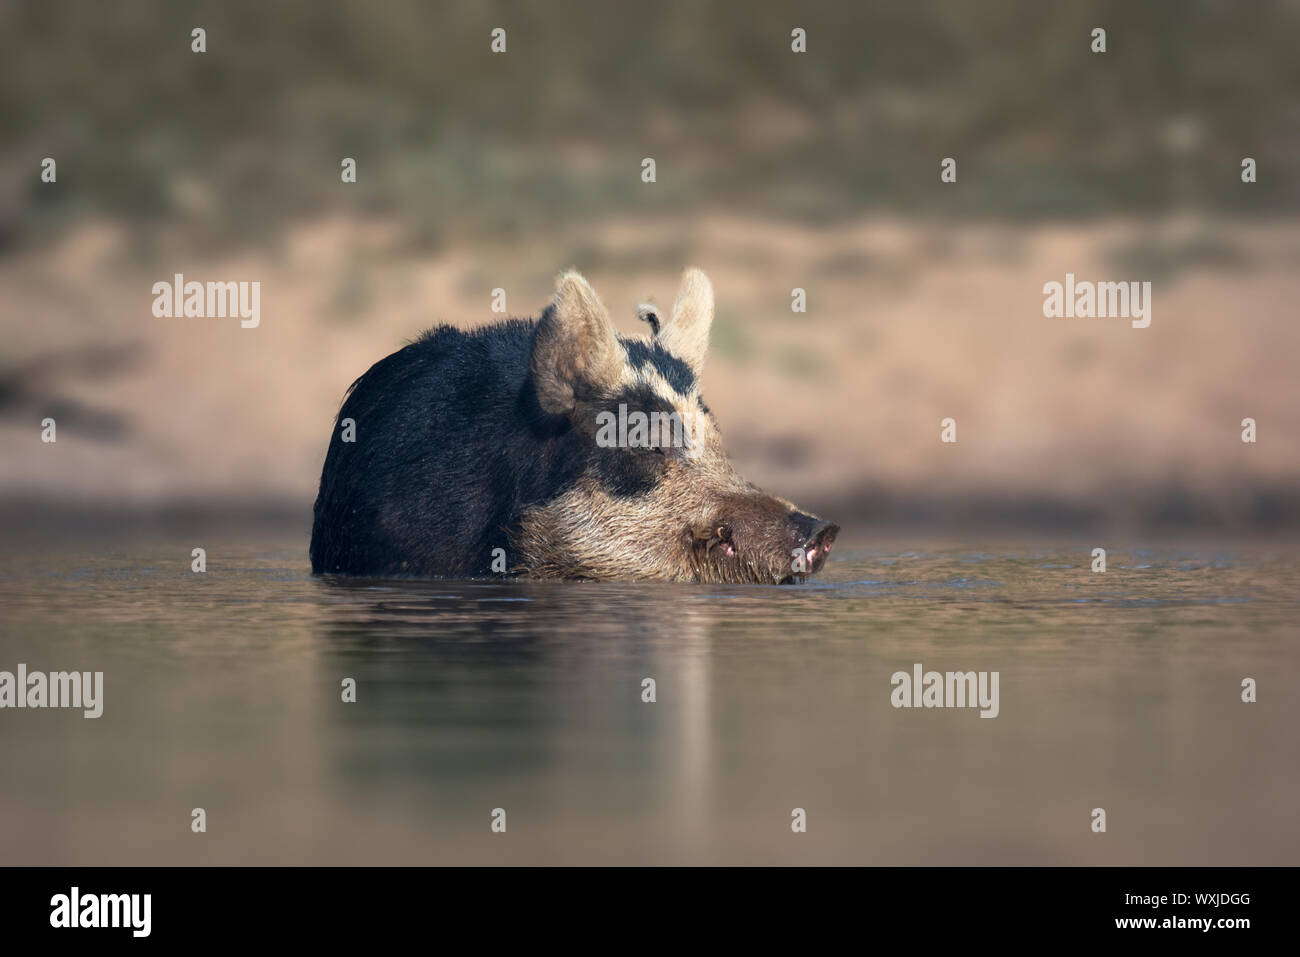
<point>451,445</point>
<point>675,372</point>
<point>628,472</point>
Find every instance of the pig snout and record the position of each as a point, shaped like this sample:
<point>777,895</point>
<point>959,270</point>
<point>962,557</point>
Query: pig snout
<point>815,536</point>
<point>770,543</point>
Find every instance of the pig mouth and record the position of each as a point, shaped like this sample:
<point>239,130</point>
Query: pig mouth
<point>716,559</point>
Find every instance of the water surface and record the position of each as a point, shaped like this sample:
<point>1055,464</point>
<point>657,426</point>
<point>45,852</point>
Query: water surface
<point>223,691</point>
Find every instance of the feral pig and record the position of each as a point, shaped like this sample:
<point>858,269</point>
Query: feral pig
<point>552,448</point>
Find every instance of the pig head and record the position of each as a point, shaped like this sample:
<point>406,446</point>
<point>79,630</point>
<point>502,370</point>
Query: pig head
<point>657,497</point>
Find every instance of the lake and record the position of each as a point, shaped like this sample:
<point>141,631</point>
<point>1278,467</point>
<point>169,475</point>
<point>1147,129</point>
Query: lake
<point>523,702</point>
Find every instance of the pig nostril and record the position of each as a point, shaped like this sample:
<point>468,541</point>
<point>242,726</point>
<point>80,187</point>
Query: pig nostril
<point>820,540</point>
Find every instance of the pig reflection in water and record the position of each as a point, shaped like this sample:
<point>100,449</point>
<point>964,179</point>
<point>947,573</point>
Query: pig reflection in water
<point>463,443</point>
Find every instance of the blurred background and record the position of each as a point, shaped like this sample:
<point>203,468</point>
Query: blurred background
<point>775,170</point>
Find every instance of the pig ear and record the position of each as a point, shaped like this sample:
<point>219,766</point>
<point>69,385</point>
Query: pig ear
<point>575,348</point>
<point>686,333</point>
